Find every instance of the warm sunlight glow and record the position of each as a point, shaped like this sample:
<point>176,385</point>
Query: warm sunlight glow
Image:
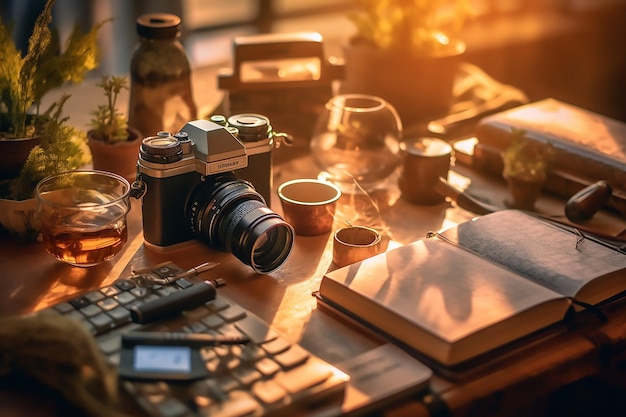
<point>297,302</point>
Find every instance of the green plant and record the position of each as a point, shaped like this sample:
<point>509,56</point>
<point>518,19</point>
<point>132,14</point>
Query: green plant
<point>108,123</point>
<point>419,26</point>
<point>60,149</point>
<point>525,159</point>
<point>24,80</point>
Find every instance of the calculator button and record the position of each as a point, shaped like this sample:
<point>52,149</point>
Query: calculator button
<point>303,377</point>
<point>120,315</point>
<point>64,308</point>
<point>232,313</point>
<point>80,302</point>
<point>125,297</point>
<point>246,375</point>
<point>196,327</point>
<point>255,329</point>
<point>183,283</point>
<point>218,304</point>
<point>124,285</point>
<point>268,391</point>
<point>276,346</point>
<point>171,407</point>
<point>110,291</point>
<point>239,404</point>
<point>108,304</point>
<point>213,321</point>
<point>267,366</point>
<point>295,355</point>
<point>94,296</point>
<point>140,292</point>
<point>101,322</point>
<point>90,310</point>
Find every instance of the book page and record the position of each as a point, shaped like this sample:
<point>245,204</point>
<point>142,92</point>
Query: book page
<point>441,300</point>
<point>537,250</point>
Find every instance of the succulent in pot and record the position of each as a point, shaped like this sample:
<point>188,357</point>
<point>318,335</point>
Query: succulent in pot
<point>114,145</point>
<point>416,44</point>
<point>525,164</point>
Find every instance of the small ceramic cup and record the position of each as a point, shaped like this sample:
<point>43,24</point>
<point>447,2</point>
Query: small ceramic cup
<point>355,243</point>
<point>309,205</point>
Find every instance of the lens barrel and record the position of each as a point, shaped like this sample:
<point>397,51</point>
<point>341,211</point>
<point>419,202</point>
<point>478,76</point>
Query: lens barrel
<point>228,214</point>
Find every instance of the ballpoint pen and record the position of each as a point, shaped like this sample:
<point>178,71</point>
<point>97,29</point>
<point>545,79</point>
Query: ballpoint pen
<point>193,340</point>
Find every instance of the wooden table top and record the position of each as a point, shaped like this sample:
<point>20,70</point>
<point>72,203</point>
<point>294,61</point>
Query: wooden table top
<point>32,280</point>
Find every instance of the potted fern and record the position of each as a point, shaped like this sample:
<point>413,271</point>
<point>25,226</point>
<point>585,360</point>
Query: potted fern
<point>25,79</point>
<point>114,145</point>
<point>60,149</point>
<point>407,52</point>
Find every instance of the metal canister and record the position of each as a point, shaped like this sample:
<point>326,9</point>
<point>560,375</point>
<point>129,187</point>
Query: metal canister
<point>424,161</point>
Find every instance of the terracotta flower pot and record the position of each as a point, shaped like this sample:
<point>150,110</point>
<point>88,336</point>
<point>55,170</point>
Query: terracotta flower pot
<point>13,154</point>
<point>120,158</point>
<point>19,218</point>
<point>418,87</point>
<point>523,193</point>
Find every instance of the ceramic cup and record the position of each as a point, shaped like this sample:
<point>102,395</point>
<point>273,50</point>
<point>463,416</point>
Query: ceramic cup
<point>355,243</point>
<point>309,205</point>
<point>83,215</point>
<point>425,160</point>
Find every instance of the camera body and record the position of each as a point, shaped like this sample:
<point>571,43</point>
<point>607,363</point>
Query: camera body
<point>171,173</point>
<point>259,139</point>
<point>189,191</point>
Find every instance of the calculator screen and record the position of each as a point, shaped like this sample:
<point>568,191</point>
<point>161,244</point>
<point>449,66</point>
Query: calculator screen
<point>148,358</point>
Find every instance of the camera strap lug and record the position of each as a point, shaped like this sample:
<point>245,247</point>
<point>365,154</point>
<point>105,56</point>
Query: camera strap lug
<point>282,138</point>
<point>138,189</point>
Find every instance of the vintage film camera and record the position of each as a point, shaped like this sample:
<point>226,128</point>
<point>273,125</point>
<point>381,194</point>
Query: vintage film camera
<point>285,76</point>
<point>190,190</point>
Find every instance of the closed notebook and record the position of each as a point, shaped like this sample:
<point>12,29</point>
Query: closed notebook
<point>477,286</point>
<point>585,146</point>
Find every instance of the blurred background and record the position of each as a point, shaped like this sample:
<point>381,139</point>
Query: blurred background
<point>573,50</point>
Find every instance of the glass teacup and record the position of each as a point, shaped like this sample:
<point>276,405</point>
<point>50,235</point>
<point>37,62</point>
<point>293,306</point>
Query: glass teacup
<point>83,215</point>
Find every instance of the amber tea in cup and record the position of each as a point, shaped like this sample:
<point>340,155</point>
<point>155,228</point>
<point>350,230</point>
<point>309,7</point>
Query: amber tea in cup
<point>83,215</point>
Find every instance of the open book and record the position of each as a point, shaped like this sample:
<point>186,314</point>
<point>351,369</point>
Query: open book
<point>478,285</point>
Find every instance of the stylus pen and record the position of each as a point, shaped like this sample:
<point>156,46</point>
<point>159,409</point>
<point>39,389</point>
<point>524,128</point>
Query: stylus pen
<point>193,340</point>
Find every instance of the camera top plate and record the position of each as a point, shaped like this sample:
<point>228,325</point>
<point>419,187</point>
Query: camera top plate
<point>215,148</point>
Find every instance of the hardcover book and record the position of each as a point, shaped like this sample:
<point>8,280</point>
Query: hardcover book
<point>586,146</point>
<point>477,286</point>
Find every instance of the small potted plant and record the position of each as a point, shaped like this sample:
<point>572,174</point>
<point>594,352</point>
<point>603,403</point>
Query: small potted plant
<point>416,45</point>
<point>525,162</point>
<point>113,144</point>
<point>25,79</point>
<point>60,149</point>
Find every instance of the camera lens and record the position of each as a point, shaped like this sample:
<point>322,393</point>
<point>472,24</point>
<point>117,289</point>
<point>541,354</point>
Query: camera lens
<point>228,214</point>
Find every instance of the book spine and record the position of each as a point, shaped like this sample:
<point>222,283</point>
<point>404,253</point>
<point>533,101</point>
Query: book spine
<point>566,156</point>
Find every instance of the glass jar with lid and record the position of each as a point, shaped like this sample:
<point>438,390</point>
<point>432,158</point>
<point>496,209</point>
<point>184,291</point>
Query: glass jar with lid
<point>161,97</point>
